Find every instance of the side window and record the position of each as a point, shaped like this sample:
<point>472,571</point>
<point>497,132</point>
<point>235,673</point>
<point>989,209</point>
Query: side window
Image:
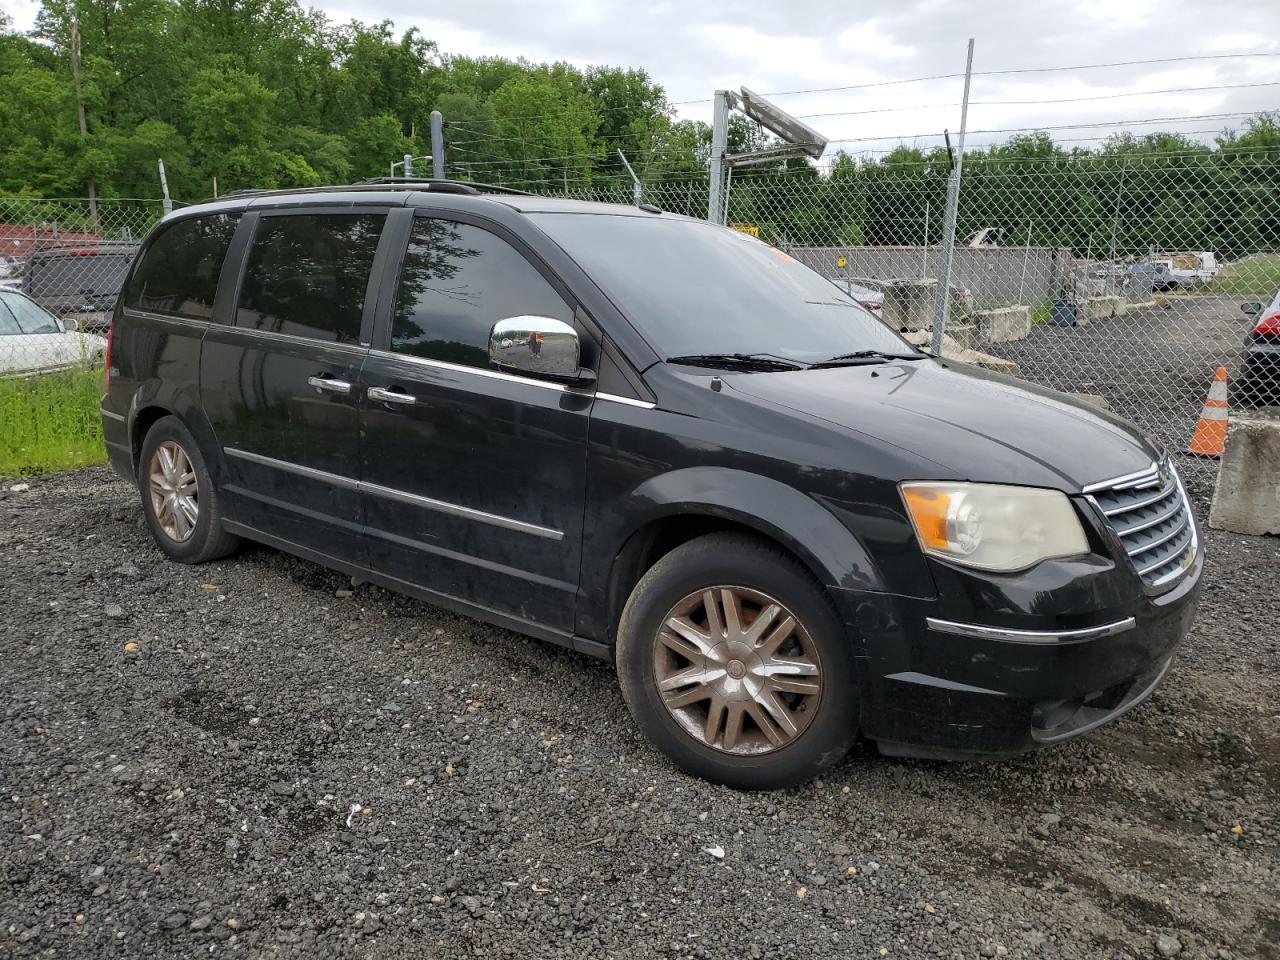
<point>8,322</point>
<point>307,275</point>
<point>179,270</point>
<point>457,281</point>
<point>31,317</point>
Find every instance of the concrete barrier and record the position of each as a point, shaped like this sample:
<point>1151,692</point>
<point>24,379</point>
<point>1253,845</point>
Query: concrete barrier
<point>1004,324</point>
<point>908,304</point>
<point>952,350</point>
<point>1097,308</point>
<point>1247,496</point>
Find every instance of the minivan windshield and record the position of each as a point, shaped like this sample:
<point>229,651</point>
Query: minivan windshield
<point>697,289</point>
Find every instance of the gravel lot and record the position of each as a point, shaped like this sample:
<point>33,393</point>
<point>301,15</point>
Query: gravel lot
<point>182,747</point>
<point>1154,364</point>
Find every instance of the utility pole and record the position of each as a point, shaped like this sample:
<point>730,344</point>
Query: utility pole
<point>942,305</point>
<point>719,146</point>
<point>437,145</point>
<point>84,126</point>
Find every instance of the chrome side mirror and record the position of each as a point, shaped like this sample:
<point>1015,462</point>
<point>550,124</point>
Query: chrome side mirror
<point>1251,309</point>
<point>538,346</point>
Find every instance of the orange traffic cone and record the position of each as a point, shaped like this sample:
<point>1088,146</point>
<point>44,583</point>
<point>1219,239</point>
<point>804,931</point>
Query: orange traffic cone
<point>1211,430</point>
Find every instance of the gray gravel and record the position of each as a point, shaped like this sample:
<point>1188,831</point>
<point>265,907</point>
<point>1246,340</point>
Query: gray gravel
<point>184,748</point>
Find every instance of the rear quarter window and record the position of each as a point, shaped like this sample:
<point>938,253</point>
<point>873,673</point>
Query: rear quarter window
<point>179,269</point>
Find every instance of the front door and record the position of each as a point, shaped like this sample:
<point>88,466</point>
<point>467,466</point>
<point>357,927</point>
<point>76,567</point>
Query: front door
<point>281,386</point>
<point>473,480</point>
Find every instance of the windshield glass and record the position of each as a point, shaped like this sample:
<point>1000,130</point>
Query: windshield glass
<point>693,288</point>
<point>28,316</point>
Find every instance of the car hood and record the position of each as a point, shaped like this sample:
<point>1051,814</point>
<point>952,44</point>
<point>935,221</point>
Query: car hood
<point>976,424</point>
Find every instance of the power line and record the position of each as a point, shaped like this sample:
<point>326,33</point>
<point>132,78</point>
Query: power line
<point>1045,102</point>
<point>1063,126</point>
<point>1000,73</point>
<point>1117,96</point>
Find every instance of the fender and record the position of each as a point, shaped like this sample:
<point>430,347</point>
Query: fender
<point>169,345</point>
<point>797,521</point>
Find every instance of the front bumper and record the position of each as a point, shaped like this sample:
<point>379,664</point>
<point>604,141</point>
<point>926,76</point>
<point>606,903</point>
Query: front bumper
<point>937,687</point>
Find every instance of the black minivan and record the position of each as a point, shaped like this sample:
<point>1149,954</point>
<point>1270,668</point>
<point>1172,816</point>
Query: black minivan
<point>656,441</point>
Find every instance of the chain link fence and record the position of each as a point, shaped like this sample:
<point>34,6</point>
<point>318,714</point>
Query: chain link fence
<point>1129,280</point>
<point>62,263</point>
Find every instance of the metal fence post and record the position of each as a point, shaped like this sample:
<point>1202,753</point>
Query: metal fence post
<point>1026,255</point>
<point>943,303</point>
<point>924,250</point>
<point>167,203</point>
<point>637,188</point>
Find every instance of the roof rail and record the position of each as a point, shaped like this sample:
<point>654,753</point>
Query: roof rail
<point>383,183</point>
<point>445,186</point>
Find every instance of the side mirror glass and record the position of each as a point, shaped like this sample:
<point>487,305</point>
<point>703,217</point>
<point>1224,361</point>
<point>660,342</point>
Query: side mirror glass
<point>1251,309</point>
<point>538,346</point>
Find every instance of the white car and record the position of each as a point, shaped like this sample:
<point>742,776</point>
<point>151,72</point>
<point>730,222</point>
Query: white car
<point>32,340</point>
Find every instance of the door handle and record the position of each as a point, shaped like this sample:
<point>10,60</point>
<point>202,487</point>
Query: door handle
<point>387,395</point>
<point>331,384</point>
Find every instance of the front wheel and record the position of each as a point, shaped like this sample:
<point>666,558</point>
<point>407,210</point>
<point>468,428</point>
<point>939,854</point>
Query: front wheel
<point>735,665</point>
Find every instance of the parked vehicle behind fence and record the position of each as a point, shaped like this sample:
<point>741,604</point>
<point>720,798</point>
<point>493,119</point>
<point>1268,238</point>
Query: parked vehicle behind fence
<point>784,525</point>
<point>79,282</point>
<point>1259,382</point>
<point>32,340</point>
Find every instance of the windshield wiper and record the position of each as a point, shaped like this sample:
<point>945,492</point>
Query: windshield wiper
<point>737,361</point>
<point>863,356</point>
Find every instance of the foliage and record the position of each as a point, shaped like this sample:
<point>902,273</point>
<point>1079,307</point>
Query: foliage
<point>267,93</point>
<point>51,422</point>
<point>1255,276</point>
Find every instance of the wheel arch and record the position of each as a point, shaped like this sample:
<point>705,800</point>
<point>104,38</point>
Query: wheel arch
<point>686,504</point>
<point>156,400</point>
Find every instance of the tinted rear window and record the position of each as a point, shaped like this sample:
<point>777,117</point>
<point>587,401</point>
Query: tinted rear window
<point>179,270</point>
<point>307,275</point>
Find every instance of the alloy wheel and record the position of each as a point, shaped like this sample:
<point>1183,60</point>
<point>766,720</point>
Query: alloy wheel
<point>174,495</point>
<point>737,670</point>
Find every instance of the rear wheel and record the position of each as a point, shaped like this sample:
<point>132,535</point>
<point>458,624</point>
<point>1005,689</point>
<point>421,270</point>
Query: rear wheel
<point>733,662</point>
<point>178,498</point>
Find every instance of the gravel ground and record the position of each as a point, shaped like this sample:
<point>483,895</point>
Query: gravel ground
<point>182,749</point>
<point>1154,365</point>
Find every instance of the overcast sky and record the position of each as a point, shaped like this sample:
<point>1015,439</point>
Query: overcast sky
<point>787,45</point>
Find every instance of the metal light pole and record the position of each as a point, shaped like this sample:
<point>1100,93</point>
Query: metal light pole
<point>942,305</point>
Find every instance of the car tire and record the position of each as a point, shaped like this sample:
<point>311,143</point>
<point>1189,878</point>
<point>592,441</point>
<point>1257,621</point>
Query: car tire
<point>179,500</point>
<point>726,699</point>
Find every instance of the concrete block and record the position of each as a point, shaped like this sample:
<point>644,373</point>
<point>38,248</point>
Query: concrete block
<point>964,334</point>
<point>1097,308</point>
<point>1004,324</point>
<point>908,304</point>
<point>1246,498</point>
<point>1093,398</point>
<point>952,350</point>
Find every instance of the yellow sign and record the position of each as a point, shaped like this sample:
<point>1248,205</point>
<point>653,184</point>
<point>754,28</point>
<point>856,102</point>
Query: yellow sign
<point>841,262</point>
<point>749,228</point>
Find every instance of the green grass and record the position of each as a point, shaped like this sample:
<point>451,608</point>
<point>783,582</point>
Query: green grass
<point>50,422</point>
<point>1042,312</point>
<point>1259,276</point>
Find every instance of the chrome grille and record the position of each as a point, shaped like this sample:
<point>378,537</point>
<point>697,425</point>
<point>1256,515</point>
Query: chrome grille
<point>1150,515</point>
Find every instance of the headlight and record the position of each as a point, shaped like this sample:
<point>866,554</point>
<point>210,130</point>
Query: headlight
<point>993,527</point>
